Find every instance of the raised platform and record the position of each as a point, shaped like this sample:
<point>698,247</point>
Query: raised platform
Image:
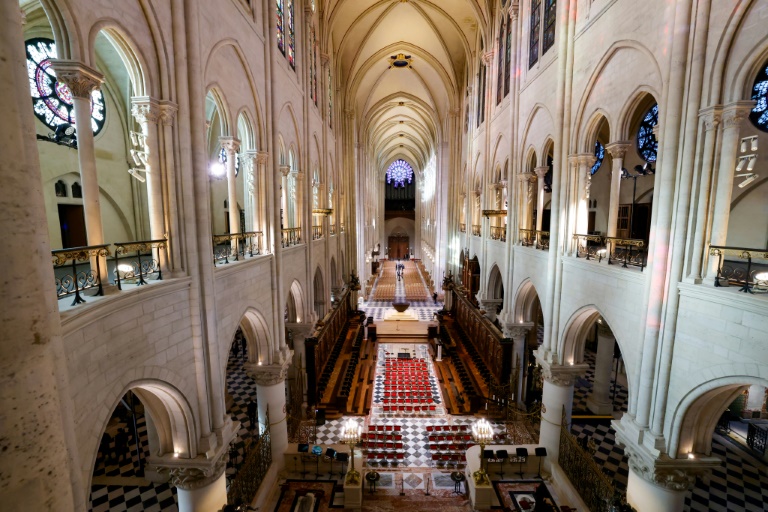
<point>408,330</point>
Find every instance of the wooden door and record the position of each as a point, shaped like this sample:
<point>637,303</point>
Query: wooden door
<point>72,224</point>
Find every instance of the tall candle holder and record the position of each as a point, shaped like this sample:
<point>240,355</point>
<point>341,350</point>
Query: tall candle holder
<point>482,433</point>
<point>350,434</point>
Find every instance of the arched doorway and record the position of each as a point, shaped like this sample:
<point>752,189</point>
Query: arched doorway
<point>319,293</point>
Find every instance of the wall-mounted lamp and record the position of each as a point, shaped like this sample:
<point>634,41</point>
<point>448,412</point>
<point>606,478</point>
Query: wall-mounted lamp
<point>749,142</point>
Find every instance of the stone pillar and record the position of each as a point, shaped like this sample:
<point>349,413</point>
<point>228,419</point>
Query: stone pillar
<point>599,400</point>
<point>260,187</point>
<point>557,397</point>
<point>540,173</point>
<point>200,483</point>
<point>40,465</point>
<point>519,334</point>
<point>733,115</point>
<point>282,199</point>
<point>300,332</point>
<point>270,392</point>
<point>585,162</point>
<point>617,151</point>
<point>82,81</point>
<point>231,146</point>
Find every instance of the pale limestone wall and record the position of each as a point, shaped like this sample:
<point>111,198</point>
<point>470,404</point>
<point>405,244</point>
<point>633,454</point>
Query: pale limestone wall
<point>115,343</point>
<point>529,264</point>
<point>495,254</point>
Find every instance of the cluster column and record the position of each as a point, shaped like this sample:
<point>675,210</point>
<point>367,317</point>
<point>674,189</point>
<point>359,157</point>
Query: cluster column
<point>518,333</point>
<point>540,173</point>
<point>599,400</point>
<point>617,151</point>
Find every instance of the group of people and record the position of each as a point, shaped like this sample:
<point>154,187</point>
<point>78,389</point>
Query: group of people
<point>399,268</point>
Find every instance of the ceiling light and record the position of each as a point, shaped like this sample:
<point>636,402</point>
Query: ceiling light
<point>740,167</point>
<point>743,145</point>
<point>752,161</point>
<point>750,177</point>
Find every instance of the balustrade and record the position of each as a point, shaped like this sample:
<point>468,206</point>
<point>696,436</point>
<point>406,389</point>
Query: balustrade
<point>73,272</point>
<point>317,232</point>
<point>133,266</point>
<point>527,237</point>
<point>462,228</point>
<point>589,246</point>
<point>542,240</point>
<point>258,459</point>
<point>753,276</point>
<point>291,236</point>
<point>499,233</point>
<point>627,251</point>
<point>235,246</point>
<point>476,229</point>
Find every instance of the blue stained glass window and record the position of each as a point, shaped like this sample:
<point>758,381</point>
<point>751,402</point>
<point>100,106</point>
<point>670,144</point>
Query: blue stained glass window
<point>399,172</point>
<point>280,27</point>
<point>759,114</point>
<point>647,145</point>
<point>51,99</point>
<point>500,66</point>
<point>508,56</point>
<point>599,155</point>
<point>291,35</point>
<point>533,43</point>
<point>550,16</point>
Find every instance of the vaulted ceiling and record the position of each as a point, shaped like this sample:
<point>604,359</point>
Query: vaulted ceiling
<point>399,111</point>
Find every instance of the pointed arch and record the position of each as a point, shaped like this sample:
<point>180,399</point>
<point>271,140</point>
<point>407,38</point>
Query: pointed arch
<point>256,332</point>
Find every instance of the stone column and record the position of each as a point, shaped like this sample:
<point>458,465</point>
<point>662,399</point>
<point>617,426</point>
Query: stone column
<point>599,400</point>
<point>518,333</point>
<point>231,146</point>
<point>172,210</point>
<point>146,111</point>
<point>82,81</point>
<point>733,115</point>
<point>540,173</point>
<point>585,162</point>
<point>270,392</point>
<point>262,157</point>
<point>617,151</point>
<point>557,397</point>
<point>282,200</point>
<point>755,398</point>
<point>251,179</point>
<point>300,332</point>
<point>200,482</point>
<point>41,470</point>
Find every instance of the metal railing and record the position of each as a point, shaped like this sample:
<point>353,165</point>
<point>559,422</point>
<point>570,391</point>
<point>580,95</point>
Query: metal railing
<point>72,281</point>
<point>234,246</point>
<point>542,240</point>
<point>757,437</point>
<point>499,233</point>
<point>627,251</point>
<point>589,246</point>
<point>730,272</point>
<point>258,458</point>
<point>317,232</point>
<point>527,236</point>
<point>332,228</point>
<point>476,229</point>
<point>290,236</point>
<point>462,228</point>
<point>135,261</point>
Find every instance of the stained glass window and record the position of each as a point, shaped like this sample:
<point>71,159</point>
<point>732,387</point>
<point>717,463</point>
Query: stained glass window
<point>508,56</point>
<point>550,15</point>
<point>51,99</point>
<point>291,35</point>
<point>599,155</point>
<point>313,65</point>
<point>223,160</point>
<point>280,27</point>
<point>330,99</point>
<point>759,114</point>
<point>647,145</point>
<point>533,44</point>
<point>399,172</point>
<point>500,67</point>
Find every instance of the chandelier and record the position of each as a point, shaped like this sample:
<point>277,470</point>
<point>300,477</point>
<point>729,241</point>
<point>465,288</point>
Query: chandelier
<point>399,172</point>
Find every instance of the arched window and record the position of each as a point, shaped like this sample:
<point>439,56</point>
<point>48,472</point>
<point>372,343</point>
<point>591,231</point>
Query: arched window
<point>280,27</point>
<point>759,114</point>
<point>599,156</point>
<point>647,145</point>
<point>399,172</point>
<point>77,190</point>
<point>51,99</point>
<point>313,64</point>
<point>550,16</point>
<point>291,35</point>
<point>500,66</point>
<point>533,42</point>
<point>330,98</point>
<point>508,56</point>
<point>60,188</point>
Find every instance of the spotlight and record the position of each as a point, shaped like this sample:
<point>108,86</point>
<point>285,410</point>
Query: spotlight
<point>740,166</point>
<point>750,177</point>
<point>754,144</point>
<point>744,145</point>
<point>648,168</point>
<point>751,164</point>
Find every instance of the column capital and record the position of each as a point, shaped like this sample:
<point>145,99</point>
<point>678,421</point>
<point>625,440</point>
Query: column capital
<point>524,177</point>
<point>541,171</point>
<point>618,149</point>
<point>168,110</point>
<point>300,329</point>
<point>711,116</point>
<point>145,109</point>
<point>268,374</point>
<point>262,157</point>
<point>487,57</point>
<point>325,59</point>
<point>516,331</point>
<point>193,474</point>
<point>285,170</point>
<point>514,10</point>
<point>585,159</point>
<point>230,144</point>
<point>736,112</point>
<point>82,80</point>
<point>560,374</point>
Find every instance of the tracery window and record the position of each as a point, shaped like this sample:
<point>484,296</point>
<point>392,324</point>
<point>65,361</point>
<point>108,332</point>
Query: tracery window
<point>533,44</point>
<point>508,56</point>
<point>550,16</point>
<point>500,66</point>
<point>599,156</point>
<point>280,27</point>
<point>759,114</point>
<point>647,145</point>
<point>51,99</point>
<point>399,172</point>
<point>291,35</point>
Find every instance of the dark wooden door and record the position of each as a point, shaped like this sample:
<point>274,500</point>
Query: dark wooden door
<point>72,223</point>
<point>398,247</point>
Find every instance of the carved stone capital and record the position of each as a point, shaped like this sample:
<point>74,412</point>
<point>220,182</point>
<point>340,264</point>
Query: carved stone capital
<point>262,157</point>
<point>145,109</point>
<point>349,113</point>
<point>541,171</point>
<point>300,330</point>
<point>268,375</point>
<point>560,374</point>
<point>168,110</point>
<point>586,159</point>
<point>325,59</point>
<point>736,112</point>
<point>618,149</point>
<point>487,57</point>
<point>230,144</point>
<point>82,80</point>
<point>525,177</point>
<point>285,170</point>
<point>711,116</point>
<point>514,10</point>
<point>516,331</point>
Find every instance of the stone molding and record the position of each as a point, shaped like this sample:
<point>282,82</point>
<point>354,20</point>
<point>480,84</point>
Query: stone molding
<point>268,375</point>
<point>587,159</point>
<point>82,80</point>
<point>736,112</point>
<point>711,116</point>
<point>515,331</point>
<point>618,149</point>
<point>285,170</point>
<point>230,144</point>
<point>487,58</point>
<point>145,109</point>
<point>559,374</point>
<point>302,330</point>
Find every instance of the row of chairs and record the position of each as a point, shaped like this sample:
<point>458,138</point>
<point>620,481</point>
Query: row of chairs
<point>448,460</point>
<point>409,409</point>
<point>422,391</point>
<point>385,458</point>
<point>447,428</point>
<point>383,428</point>
<point>450,448</point>
<point>473,353</point>
<point>386,436</point>
<point>382,445</point>
<point>449,438</point>
<point>416,400</point>
<point>330,364</point>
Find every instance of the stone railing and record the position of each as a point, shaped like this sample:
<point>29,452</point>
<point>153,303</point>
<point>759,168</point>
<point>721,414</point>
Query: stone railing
<point>476,230</point>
